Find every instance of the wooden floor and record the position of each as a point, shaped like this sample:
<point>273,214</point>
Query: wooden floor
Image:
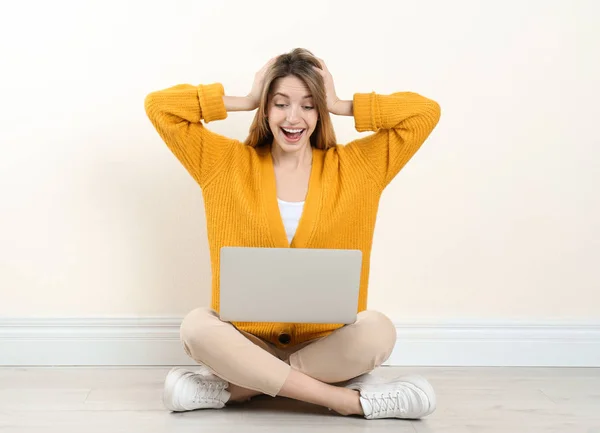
<point>478,400</point>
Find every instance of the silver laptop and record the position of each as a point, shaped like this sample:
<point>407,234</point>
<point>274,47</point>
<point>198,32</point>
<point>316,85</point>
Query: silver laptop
<point>289,285</point>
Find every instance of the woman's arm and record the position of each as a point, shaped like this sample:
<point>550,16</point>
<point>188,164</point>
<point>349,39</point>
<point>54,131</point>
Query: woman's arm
<point>177,114</point>
<point>238,103</point>
<point>343,108</point>
<point>401,122</point>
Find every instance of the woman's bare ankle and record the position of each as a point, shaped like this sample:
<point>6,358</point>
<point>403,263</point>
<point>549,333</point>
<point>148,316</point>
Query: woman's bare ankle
<point>239,394</point>
<point>351,404</point>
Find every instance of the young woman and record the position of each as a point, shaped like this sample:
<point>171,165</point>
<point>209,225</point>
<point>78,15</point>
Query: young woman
<point>290,185</point>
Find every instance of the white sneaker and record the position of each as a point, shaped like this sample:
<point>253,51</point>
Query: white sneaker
<point>185,390</point>
<point>409,397</point>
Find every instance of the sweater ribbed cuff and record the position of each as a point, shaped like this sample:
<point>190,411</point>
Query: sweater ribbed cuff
<point>366,112</point>
<point>212,106</point>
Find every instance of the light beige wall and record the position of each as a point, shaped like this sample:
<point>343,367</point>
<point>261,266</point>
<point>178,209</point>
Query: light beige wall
<point>497,216</point>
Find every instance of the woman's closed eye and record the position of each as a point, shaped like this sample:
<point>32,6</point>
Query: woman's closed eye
<point>307,107</point>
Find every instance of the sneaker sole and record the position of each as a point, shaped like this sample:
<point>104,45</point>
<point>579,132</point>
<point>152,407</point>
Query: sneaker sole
<point>424,385</point>
<point>167,396</point>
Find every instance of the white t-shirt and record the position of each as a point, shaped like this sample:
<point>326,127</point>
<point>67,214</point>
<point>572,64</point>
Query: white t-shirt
<point>290,214</point>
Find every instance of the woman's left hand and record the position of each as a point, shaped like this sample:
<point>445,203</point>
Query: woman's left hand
<point>332,98</point>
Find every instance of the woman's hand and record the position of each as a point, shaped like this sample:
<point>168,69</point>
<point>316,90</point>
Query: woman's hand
<point>259,82</point>
<point>334,104</point>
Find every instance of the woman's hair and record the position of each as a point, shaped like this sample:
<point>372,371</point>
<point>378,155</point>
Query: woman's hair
<point>299,63</point>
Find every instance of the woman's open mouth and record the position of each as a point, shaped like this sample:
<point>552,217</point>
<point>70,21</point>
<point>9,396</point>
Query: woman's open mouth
<point>292,135</point>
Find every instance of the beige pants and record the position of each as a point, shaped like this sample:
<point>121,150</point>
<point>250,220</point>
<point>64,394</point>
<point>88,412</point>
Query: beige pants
<point>250,362</point>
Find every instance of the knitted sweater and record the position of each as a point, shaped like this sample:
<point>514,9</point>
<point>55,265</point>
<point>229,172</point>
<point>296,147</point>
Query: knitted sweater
<point>239,189</point>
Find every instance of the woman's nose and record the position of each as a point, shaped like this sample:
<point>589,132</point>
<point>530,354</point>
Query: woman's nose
<point>292,115</point>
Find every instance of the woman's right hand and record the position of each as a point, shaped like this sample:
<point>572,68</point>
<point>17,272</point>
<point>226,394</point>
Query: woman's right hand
<point>259,82</point>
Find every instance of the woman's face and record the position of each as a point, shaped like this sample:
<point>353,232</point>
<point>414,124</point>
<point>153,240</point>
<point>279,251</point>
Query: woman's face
<point>292,116</point>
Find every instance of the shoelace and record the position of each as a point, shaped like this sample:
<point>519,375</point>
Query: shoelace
<point>384,405</point>
<point>206,390</point>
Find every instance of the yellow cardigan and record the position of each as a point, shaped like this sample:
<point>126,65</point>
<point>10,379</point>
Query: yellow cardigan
<point>238,182</point>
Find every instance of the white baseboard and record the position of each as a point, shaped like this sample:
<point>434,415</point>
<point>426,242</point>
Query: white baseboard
<point>498,343</point>
<point>155,341</point>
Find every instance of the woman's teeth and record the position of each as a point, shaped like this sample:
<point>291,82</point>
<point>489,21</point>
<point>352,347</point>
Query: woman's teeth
<point>292,135</point>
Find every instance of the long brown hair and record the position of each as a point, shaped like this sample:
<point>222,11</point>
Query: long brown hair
<point>299,63</point>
